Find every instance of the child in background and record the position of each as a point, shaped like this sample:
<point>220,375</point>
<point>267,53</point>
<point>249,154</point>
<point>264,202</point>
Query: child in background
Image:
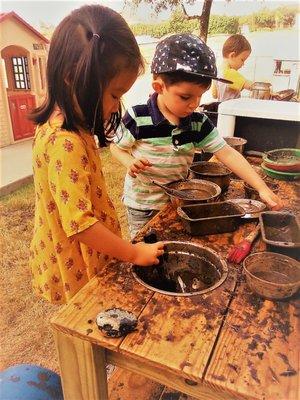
<point>159,138</point>
<point>236,50</point>
<point>93,60</point>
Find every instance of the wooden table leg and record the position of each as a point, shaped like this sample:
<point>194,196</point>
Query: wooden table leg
<point>82,367</point>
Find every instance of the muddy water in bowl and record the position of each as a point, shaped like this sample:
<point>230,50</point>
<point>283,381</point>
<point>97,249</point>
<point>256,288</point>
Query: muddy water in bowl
<point>192,191</point>
<point>272,275</point>
<point>186,269</point>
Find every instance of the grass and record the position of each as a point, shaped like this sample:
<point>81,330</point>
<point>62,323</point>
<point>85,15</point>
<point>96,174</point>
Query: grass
<point>24,326</point>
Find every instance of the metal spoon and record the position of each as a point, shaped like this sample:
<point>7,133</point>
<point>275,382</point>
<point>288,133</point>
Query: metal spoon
<point>181,284</point>
<point>173,192</point>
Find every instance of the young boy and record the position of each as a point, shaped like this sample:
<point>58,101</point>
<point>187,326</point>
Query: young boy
<point>159,138</point>
<point>236,51</point>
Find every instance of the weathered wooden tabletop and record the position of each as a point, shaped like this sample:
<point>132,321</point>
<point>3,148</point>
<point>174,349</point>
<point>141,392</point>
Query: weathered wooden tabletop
<point>226,344</point>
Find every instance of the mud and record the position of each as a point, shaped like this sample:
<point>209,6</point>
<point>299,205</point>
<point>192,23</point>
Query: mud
<point>192,194</point>
<point>290,370</point>
<point>273,276</point>
<point>196,273</point>
<point>282,229</point>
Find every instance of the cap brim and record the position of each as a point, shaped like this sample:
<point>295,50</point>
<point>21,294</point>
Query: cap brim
<point>195,73</point>
<point>211,77</point>
<point>223,80</point>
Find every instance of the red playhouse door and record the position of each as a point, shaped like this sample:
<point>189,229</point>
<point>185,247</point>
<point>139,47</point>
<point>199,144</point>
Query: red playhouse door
<point>19,107</point>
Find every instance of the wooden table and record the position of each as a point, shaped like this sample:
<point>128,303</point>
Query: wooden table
<point>227,344</point>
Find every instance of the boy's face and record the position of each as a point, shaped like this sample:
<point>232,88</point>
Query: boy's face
<point>236,61</point>
<point>179,99</point>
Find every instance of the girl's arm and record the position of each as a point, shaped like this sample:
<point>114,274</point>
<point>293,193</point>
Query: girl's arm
<point>133,165</point>
<point>240,166</point>
<point>104,241</point>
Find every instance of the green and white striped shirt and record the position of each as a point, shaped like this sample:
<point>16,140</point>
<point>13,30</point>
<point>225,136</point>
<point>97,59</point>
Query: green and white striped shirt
<point>145,133</point>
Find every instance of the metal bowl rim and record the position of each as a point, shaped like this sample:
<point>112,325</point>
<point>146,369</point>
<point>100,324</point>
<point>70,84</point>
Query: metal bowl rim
<point>197,181</point>
<point>267,254</point>
<point>226,172</point>
<point>216,285</point>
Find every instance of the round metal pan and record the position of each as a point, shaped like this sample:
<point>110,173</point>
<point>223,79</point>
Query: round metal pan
<point>252,208</point>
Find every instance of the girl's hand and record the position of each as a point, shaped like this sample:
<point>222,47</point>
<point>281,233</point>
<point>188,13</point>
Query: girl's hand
<point>147,254</point>
<point>274,202</point>
<point>137,166</point>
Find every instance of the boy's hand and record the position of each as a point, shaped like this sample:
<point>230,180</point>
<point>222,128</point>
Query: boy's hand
<point>137,166</point>
<point>274,202</point>
<point>147,254</point>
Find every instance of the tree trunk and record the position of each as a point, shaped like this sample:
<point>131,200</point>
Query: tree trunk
<point>204,19</point>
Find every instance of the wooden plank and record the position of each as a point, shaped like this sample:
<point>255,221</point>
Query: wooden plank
<point>258,351</point>
<point>126,385</point>
<point>199,391</point>
<point>189,325</point>
<point>82,368</point>
<point>114,287</point>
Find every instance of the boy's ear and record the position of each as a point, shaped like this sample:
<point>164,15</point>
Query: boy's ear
<point>157,86</point>
<point>232,54</point>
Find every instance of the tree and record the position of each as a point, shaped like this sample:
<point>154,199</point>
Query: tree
<point>160,5</point>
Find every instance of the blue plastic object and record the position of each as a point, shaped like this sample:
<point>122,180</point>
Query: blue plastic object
<point>29,382</point>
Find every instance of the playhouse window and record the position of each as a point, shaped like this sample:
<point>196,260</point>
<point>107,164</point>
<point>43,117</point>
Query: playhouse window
<point>21,73</point>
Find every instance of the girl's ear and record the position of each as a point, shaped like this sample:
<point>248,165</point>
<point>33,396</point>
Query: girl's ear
<point>157,86</point>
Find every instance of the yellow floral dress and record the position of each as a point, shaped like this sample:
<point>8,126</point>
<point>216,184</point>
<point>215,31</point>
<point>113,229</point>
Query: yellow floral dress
<point>70,197</point>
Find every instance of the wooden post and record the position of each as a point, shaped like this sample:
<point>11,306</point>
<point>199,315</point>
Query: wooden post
<point>82,368</point>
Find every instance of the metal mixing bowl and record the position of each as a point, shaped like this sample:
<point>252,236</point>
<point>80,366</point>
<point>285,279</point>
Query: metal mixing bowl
<point>272,275</point>
<point>201,191</point>
<point>237,143</point>
<point>211,171</point>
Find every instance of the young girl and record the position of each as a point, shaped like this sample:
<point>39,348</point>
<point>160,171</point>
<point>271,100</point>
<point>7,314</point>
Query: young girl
<point>93,60</point>
<point>236,50</point>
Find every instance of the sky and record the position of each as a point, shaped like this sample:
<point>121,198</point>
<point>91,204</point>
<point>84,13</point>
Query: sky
<point>52,12</point>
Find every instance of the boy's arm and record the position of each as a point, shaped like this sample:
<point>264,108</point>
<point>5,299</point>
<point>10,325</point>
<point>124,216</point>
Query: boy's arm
<point>214,90</point>
<point>133,165</point>
<point>240,166</point>
<point>248,85</point>
<point>239,81</point>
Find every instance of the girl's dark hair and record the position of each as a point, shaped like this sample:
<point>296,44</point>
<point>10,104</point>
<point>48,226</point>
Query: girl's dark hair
<point>88,48</point>
<point>235,43</point>
<point>171,78</point>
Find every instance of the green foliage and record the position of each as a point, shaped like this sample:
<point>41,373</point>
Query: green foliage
<point>46,29</point>
<point>281,17</point>
<point>223,24</point>
<point>285,16</point>
<point>264,19</point>
<point>178,24</point>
